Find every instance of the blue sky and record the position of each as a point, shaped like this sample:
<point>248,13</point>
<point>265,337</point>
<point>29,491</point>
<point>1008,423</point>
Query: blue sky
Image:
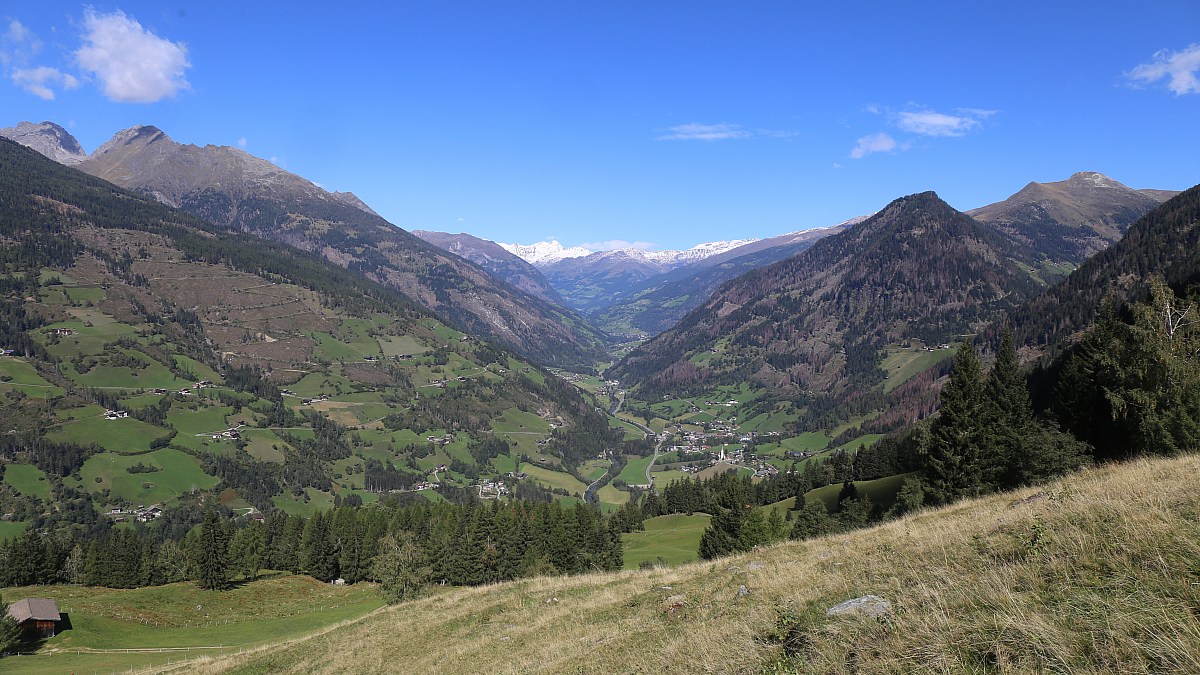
<point>668,123</point>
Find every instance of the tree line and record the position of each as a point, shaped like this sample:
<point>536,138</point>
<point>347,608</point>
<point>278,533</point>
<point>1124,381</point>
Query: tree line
<point>465,544</point>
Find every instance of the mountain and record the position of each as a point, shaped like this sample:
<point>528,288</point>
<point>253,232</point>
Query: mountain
<point>1164,242</point>
<point>49,139</point>
<point>228,186</point>
<point>1069,221</point>
<point>814,326</point>
<point>697,253</point>
<point>150,354</point>
<point>545,252</point>
<point>599,279</point>
<point>591,282</point>
<point>496,260</point>
<point>661,301</point>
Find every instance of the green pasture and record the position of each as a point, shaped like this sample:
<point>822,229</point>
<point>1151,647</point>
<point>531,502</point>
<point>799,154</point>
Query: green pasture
<point>675,538</point>
<point>28,480</point>
<point>178,473</point>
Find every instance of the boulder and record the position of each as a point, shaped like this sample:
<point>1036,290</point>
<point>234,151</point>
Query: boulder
<point>871,606</point>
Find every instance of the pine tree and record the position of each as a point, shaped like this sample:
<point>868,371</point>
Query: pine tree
<point>210,555</point>
<point>954,467</point>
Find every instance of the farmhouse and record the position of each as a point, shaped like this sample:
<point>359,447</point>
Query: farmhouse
<point>37,617</point>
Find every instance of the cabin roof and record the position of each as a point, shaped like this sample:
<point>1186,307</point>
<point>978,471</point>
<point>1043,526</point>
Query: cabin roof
<point>37,609</point>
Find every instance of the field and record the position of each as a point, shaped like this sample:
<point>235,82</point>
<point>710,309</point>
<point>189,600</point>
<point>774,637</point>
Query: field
<point>28,480</point>
<point>555,479</point>
<point>180,615</point>
<point>1093,574</point>
<point>120,435</point>
<point>20,375</point>
<point>634,472</point>
<point>9,530</point>
<point>881,491</point>
<point>178,473</point>
<point>902,364</point>
<point>674,538</point>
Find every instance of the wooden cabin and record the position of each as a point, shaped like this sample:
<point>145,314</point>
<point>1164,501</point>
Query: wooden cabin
<point>37,617</point>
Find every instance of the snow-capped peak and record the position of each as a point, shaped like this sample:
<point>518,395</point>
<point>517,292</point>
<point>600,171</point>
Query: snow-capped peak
<point>545,252</point>
<point>696,253</point>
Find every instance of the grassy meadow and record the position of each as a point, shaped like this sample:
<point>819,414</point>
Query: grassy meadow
<point>1096,573</point>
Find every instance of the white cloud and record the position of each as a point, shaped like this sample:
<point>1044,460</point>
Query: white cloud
<point>704,132</point>
<point>617,244</point>
<point>19,34</point>
<point>868,145</point>
<point>930,123</point>
<point>1180,68</point>
<point>18,45</point>
<point>38,81</point>
<point>241,142</point>
<point>133,64</point>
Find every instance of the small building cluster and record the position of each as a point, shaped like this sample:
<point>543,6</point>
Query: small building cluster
<point>141,514</point>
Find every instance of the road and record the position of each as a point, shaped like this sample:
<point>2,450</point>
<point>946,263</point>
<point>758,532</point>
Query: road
<point>616,407</point>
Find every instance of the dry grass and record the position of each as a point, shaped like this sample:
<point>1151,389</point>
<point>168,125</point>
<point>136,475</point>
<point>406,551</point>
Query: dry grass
<point>1099,573</point>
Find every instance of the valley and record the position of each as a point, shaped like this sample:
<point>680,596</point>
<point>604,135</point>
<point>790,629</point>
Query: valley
<point>217,388</point>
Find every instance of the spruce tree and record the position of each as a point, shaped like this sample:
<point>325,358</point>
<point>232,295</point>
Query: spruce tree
<point>1008,417</point>
<point>813,521</point>
<point>722,535</point>
<point>953,467</point>
<point>211,554</point>
<point>10,632</point>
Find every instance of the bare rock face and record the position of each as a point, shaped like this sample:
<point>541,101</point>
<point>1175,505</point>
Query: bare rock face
<point>49,139</point>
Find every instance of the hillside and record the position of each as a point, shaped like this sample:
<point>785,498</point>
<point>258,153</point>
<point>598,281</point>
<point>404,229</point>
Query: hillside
<point>1095,573</point>
<point>229,187</point>
<point>496,260</point>
<point>1071,220</point>
<point>1163,242</point>
<point>153,355</point>
<point>821,321</point>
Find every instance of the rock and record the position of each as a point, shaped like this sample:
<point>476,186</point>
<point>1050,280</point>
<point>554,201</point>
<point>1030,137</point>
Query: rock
<point>733,569</point>
<point>743,591</point>
<point>674,604</point>
<point>667,588</point>
<point>551,601</point>
<point>755,566</point>
<point>868,605</point>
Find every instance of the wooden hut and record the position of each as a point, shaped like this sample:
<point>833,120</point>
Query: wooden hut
<point>37,617</point>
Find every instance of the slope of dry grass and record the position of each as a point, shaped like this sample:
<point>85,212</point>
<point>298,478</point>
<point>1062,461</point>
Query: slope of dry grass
<point>1100,572</point>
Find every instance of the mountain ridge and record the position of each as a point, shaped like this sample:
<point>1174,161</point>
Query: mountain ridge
<point>813,327</point>
<point>229,186</point>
